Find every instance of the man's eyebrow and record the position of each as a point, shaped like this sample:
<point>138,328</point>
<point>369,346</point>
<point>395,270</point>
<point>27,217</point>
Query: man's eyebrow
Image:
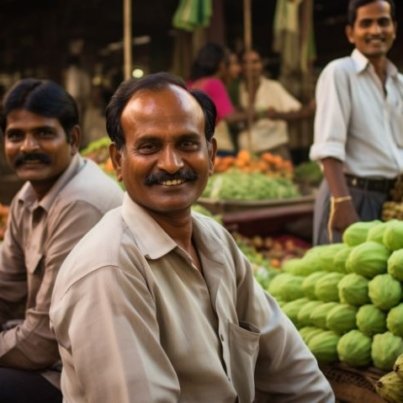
<point>12,129</point>
<point>43,127</point>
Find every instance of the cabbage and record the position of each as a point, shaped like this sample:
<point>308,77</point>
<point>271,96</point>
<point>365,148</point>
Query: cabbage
<point>384,291</point>
<point>394,320</point>
<point>326,287</point>
<point>354,348</point>
<point>385,349</point>
<point>368,259</point>
<point>341,318</point>
<point>371,320</point>
<point>353,290</point>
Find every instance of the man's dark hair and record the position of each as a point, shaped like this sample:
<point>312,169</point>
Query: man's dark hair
<point>207,61</point>
<point>42,97</point>
<point>153,82</point>
<point>353,5</point>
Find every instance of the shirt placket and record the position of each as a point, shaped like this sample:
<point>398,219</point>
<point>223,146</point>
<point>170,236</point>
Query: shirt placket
<point>392,102</point>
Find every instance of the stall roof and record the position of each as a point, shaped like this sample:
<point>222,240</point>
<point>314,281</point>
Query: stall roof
<point>38,32</point>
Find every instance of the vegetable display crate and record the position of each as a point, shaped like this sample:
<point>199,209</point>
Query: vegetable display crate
<point>351,385</point>
<point>232,206</point>
<point>266,217</point>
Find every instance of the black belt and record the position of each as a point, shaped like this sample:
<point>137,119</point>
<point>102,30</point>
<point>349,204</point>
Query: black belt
<point>374,185</point>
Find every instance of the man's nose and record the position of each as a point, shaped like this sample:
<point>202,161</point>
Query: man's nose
<point>29,144</point>
<point>170,160</point>
<point>375,28</point>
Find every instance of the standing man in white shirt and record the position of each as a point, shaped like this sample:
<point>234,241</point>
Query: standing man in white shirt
<point>358,123</point>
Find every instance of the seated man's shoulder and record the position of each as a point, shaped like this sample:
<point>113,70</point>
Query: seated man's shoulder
<point>99,247</point>
<point>93,186</point>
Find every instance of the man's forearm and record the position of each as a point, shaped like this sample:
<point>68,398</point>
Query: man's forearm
<point>334,174</point>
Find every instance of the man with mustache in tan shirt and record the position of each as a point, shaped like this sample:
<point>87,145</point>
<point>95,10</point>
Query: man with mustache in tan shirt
<point>158,304</point>
<point>63,197</point>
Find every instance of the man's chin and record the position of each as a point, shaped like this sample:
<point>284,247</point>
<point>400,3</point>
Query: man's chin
<point>33,175</point>
<point>376,52</point>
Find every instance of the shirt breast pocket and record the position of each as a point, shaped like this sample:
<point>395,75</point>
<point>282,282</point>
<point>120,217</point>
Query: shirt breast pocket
<point>244,349</point>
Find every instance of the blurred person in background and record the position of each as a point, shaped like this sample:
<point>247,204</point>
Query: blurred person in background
<point>94,124</point>
<point>63,196</point>
<point>358,135</point>
<point>210,74</point>
<point>270,131</point>
<point>77,82</point>
<point>232,77</point>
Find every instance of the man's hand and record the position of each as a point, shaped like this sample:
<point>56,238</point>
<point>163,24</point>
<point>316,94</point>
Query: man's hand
<point>342,214</point>
<point>272,113</point>
<point>11,324</point>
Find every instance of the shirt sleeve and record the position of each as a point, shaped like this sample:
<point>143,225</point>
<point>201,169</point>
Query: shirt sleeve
<point>13,278</point>
<point>32,345</point>
<point>216,90</point>
<point>115,324</point>
<point>333,110</point>
<point>286,101</point>
<point>286,371</point>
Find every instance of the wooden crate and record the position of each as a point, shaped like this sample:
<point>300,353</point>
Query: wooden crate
<point>351,385</point>
<point>266,217</point>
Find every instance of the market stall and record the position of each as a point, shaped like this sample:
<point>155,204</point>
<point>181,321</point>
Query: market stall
<point>344,298</point>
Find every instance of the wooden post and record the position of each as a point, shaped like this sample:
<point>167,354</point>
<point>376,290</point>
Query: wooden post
<point>247,13</point>
<point>127,39</point>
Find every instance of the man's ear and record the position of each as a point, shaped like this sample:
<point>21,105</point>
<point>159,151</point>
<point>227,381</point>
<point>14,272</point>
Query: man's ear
<point>349,33</point>
<point>212,151</point>
<point>116,157</point>
<point>75,138</point>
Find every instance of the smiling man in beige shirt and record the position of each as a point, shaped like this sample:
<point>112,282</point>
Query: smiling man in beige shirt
<point>63,197</point>
<point>158,304</point>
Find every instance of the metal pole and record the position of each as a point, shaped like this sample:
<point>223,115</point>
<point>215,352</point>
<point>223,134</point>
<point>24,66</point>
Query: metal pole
<point>127,38</point>
<point>248,46</point>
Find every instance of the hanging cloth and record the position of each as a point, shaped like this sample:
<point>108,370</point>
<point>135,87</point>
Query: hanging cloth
<point>192,14</point>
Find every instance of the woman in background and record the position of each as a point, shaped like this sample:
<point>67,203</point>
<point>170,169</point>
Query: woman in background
<point>210,72</point>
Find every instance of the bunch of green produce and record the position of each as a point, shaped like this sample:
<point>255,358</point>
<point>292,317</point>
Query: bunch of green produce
<point>348,296</point>
<point>198,208</point>
<point>97,150</point>
<point>308,173</point>
<point>390,385</point>
<point>237,185</point>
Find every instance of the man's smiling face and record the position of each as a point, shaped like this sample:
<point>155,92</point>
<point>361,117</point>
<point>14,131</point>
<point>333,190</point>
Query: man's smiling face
<point>166,160</point>
<point>374,30</point>
<point>37,148</point>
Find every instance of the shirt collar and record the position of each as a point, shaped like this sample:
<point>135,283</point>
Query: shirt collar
<point>28,195</point>
<point>152,240</point>
<point>361,63</point>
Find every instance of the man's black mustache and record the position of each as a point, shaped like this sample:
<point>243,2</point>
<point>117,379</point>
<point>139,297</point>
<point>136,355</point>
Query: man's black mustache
<point>380,37</point>
<point>23,158</point>
<point>183,175</point>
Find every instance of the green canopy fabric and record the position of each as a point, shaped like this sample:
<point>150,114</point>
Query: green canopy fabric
<point>192,14</point>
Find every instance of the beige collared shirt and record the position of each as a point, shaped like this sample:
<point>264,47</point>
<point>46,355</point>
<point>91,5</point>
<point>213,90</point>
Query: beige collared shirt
<point>39,236</point>
<point>358,120</point>
<point>137,322</point>
<point>266,134</point>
